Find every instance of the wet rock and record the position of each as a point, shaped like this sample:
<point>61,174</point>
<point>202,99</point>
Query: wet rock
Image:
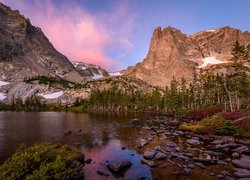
<point>149,163</point>
<point>199,165</point>
<point>143,142</point>
<point>160,156</point>
<point>149,154</point>
<point>193,141</point>
<point>102,173</point>
<point>88,161</point>
<point>241,149</point>
<point>119,167</point>
<point>243,162</point>
<point>242,173</point>
<point>141,178</point>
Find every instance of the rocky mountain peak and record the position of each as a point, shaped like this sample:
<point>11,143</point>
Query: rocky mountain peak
<point>172,53</point>
<point>25,51</point>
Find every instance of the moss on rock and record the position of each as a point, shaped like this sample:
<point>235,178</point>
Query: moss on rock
<point>43,161</point>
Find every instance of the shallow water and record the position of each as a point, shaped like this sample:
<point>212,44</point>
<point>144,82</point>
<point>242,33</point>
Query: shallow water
<point>101,138</point>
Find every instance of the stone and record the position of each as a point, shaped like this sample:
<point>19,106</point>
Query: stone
<point>102,173</point>
<point>243,162</point>
<point>119,167</point>
<point>149,154</point>
<point>160,156</point>
<point>199,165</point>
<point>143,142</point>
<point>193,142</point>
<point>149,163</point>
<point>242,173</point>
<point>88,161</point>
<point>164,165</point>
<point>187,171</point>
<point>241,149</point>
<point>236,155</point>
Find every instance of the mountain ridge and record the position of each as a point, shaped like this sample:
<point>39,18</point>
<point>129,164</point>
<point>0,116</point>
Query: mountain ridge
<point>175,54</point>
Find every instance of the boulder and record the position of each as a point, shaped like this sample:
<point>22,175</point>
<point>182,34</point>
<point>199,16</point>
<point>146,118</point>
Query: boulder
<point>160,156</point>
<point>149,154</point>
<point>243,162</point>
<point>119,167</point>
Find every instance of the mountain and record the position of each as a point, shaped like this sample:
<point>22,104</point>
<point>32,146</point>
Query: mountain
<point>90,70</point>
<point>175,54</point>
<point>25,51</point>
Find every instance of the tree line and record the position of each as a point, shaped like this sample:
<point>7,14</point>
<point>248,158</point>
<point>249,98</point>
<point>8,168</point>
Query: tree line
<point>230,90</point>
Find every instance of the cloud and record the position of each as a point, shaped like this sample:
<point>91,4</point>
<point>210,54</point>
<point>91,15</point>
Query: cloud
<point>77,33</point>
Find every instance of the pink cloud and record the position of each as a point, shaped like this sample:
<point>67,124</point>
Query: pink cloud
<point>77,34</point>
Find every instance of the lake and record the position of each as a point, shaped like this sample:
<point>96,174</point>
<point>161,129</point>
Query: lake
<point>100,136</point>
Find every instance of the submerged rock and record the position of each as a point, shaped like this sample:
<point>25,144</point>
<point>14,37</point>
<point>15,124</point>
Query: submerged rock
<point>119,167</point>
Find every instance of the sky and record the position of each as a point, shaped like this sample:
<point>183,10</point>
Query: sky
<point>116,33</point>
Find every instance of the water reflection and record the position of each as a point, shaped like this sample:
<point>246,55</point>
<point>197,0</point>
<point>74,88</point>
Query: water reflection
<point>101,137</point>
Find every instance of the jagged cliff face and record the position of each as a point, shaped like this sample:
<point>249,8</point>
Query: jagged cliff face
<point>174,54</point>
<point>25,51</point>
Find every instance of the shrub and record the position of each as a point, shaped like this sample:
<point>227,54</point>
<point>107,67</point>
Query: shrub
<point>43,161</point>
<point>205,112</point>
<point>214,125</point>
<point>233,115</point>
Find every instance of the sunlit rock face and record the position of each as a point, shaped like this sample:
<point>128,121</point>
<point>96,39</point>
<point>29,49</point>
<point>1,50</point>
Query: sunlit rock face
<point>25,51</point>
<point>172,53</point>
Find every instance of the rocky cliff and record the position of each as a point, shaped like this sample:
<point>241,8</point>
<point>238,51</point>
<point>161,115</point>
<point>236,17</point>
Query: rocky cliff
<point>25,51</point>
<point>174,54</point>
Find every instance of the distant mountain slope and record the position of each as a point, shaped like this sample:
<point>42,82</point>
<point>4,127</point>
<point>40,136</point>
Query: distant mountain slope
<point>172,53</point>
<point>25,51</point>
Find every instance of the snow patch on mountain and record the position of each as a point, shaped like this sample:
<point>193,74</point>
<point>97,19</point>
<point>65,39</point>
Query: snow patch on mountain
<point>3,83</point>
<point>115,74</point>
<point>53,95</point>
<point>2,96</point>
<point>97,76</point>
<point>210,60</point>
<point>211,30</point>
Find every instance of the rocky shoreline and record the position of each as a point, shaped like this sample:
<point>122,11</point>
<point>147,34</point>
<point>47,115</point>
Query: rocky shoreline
<point>164,147</point>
